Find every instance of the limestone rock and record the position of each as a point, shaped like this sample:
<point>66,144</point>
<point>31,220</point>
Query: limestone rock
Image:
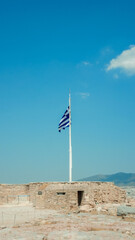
<point>125,210</point>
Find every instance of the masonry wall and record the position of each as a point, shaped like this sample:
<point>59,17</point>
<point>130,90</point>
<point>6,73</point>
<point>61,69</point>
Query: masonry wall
<point>67,196</point>
<point>13,193</point>
<point>93,193</point>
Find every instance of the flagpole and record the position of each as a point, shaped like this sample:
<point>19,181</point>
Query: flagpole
<point>70,146</point>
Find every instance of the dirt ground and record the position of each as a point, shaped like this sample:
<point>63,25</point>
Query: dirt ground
<point>27,223</point>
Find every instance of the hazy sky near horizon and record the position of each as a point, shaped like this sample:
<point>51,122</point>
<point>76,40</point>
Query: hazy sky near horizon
<point>46,48</point>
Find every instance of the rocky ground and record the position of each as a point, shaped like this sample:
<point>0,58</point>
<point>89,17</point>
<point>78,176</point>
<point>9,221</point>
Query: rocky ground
<point>130,191</point>
<point>27,223</point>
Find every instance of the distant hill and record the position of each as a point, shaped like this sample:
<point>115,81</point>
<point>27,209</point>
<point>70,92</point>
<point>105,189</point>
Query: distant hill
<point>120,179</point>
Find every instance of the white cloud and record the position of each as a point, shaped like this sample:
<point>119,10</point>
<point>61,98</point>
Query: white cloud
<point>86,63</point>
<point>84,95</point>
<point>125,61</point>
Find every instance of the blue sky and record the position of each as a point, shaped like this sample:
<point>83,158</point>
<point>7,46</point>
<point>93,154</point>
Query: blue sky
<point>46,48</point>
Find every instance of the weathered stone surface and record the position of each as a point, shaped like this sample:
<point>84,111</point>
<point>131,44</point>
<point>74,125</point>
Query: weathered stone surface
<point>125,210</point>
<point>27,223</point>
<point>63,195</point>
<point>85,208</point>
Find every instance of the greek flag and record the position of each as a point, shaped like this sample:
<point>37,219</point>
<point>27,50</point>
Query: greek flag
<point>64,122</point>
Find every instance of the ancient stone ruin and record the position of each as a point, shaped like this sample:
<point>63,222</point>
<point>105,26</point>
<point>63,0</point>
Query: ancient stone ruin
<point>62,195</point>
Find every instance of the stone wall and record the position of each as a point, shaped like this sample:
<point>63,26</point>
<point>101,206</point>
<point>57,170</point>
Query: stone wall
<point>12,193</point>
<point>70,196</point>
<point>63,195</point>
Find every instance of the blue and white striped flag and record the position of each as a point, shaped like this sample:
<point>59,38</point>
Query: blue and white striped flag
<point>65,120</point>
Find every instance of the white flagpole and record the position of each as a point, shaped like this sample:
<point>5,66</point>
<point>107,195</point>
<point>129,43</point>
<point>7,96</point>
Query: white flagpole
<point>70,146</point>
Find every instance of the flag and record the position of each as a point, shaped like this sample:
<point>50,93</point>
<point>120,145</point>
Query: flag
<point>65,120</point>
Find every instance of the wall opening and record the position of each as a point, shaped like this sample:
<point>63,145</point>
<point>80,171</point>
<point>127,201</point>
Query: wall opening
<point>80,197</point>
<point>39,192</point>
<point>61,193</point>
